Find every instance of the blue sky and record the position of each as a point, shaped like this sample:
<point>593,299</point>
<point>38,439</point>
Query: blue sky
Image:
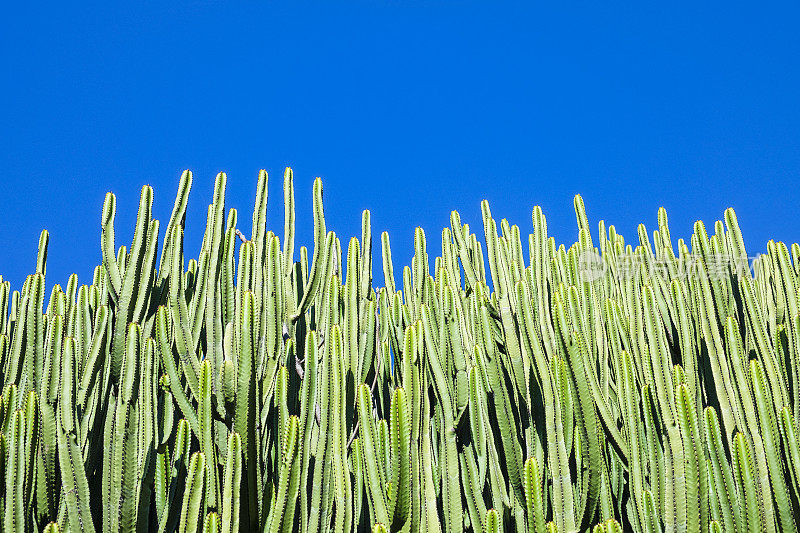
<point>409,109</point>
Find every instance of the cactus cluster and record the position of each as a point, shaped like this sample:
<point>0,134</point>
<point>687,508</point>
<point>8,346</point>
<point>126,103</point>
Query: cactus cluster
<point>597,387</point>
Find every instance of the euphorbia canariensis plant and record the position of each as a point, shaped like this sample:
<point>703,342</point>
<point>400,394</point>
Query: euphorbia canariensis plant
<point>596,387</point>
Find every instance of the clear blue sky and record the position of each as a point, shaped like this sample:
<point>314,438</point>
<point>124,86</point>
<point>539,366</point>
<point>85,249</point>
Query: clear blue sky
<point>409,109</point>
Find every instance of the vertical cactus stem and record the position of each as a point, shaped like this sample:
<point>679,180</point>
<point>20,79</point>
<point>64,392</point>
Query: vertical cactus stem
<point>289,451</point>
<point>168,362</point>
<point>108,246</point>
<point>212,523</point>
<point>14,512</point>
<point>721,475</point>
<point>533,496</point>
<point>206,436</point>
<point>288,221</point>
<point>743,468</point>
<point>41,257</point>
<point>493,524</point>
<point>244,418</point>
<point>231,484</point>
<point>789,436</point>
<point>583,221</point>
<point>73,475</point>
<point>769,430</point>
<point>694,467</point>
<point>388,268</point>
<point>191,511</point>
<point>462,249</point>
<point>308,401</point>
<point>401,458</point>
<point>737,243</point>
<point>179,311</point>
<point>320,255</point>
<point>130,281</point>
<point>281,406</point>
<point>375,481</point>
<point>259,230</point>
<point>365,276</point>
<point>176,218</point>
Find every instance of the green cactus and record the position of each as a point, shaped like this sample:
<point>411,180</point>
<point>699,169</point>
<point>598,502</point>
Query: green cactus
<point>289,454</point>
<point>255,388</point>
<point>192,509</point>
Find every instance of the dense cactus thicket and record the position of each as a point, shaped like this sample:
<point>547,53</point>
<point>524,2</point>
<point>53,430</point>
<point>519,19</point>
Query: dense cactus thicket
<point>598,387</point>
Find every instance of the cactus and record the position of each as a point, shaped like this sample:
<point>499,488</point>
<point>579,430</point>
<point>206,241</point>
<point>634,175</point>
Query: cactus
<point>597,386</point>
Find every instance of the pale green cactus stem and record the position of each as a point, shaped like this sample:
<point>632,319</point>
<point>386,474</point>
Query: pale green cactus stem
<point>352,362</point>
<point>176,218</point>
<point>288,220</point>
<point>206,436</point>
<point>207,306</point>
<point>244,418</point>
<point>770,432</point>
<point>451,493</point>
<point>41,256</point>
<point>419,269</point>
<point>694,469</point>
<point>401,461</point>
<point>295,481</point>
<point>90,380</point>
<point>131,290</point>
<point>52,527</point>
<point>161,483</point>
<point>230,487</point>
<point>109,257</point>
<point>281,406</point>
<point>307,406</point>
<point>374,479</point>
<point>721,475</point>
<point>259,236</point>
<point>174,380</point>
<point>532,483</point>
<point>412,385</point>
<point>777,385</point>
<point>327,482</point>
<point>212,523</point>
<point>476,507</point>
<point>587,420</point>
<point>788,430</point>
<point>178,310</point>
<point>743,470</point>
<point>493,524</point>
<point>192,509</point>
<point>388,268</point>
<point>291,445</point>
<point>320,257</point>
<point>48,394</point>
<point>365,275</point>
<point>76,486</point>
<point>14,513</point>
<point>748,402</point>
<point>120,509</point>
<point>651,519</point>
